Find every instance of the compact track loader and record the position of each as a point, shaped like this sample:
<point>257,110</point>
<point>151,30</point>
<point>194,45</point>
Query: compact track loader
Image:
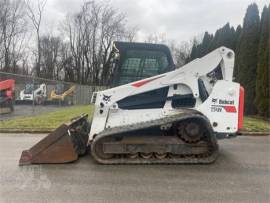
<point>154,114</point>
<point>33,92</point>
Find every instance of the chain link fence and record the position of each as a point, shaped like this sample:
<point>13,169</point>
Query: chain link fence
<point>44,93</point>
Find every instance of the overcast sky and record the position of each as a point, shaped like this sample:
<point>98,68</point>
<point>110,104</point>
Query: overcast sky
<point>180,20</point>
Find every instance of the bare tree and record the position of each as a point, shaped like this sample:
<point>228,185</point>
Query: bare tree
<point>180,52</point>
<point>131,33</point>
<point>157,38</point>
<point>49,56</point>
<point>35,15</point>
<point>66,63</point>
<point>91,33</point>
<point>12,33</point>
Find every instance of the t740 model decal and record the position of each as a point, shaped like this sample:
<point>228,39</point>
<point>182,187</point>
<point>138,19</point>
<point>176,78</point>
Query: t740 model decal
<point>218,108</point>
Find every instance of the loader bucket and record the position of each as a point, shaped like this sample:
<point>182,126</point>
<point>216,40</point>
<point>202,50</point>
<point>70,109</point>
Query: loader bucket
<point>63,145</point>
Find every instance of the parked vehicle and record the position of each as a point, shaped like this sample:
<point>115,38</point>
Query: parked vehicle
<point>63,93</point>
<point>34,92</point>
<point>7,95</point>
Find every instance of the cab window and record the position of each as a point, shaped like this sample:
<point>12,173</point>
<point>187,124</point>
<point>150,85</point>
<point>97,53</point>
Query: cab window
<point>138,64</point>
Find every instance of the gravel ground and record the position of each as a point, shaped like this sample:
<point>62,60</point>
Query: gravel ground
<point>241,174</point>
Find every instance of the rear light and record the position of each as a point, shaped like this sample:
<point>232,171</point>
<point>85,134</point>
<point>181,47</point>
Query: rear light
<point>241,107</point>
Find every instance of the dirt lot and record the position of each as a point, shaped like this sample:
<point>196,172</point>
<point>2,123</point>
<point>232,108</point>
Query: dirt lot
<point>29,110</point>
<point>241,174</point>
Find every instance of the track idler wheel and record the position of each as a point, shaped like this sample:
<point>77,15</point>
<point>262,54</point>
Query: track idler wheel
<point>190,131</point>
<point>99,149</point>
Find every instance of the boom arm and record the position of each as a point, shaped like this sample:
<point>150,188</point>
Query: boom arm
<point>221,59</point>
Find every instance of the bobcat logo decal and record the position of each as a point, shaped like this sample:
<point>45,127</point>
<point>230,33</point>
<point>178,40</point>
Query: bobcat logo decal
<point>106,98</point>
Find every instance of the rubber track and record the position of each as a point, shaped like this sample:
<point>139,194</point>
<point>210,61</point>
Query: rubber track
<point>142,125</point>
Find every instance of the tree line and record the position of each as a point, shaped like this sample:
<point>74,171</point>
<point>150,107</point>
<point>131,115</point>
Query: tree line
<point>251,43</point>
<point>80,53</point>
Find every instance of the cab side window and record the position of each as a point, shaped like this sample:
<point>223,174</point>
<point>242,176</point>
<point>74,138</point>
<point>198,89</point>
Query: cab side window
<point>139,64</point>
